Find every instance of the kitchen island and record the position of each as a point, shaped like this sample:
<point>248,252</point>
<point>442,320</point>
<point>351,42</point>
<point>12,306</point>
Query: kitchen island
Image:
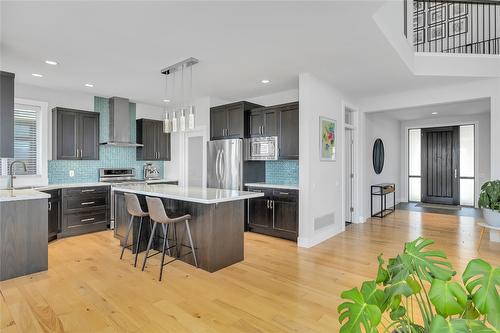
<point>217,223</point>
<point>23,233</point>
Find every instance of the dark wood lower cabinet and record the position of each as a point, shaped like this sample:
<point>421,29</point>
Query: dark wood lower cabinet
<point>275,214</point>
<point>54,214</point>
<point>84,210</point>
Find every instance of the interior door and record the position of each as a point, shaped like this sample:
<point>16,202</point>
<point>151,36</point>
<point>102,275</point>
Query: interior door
<point>440,165</point>
<point>349,174</point>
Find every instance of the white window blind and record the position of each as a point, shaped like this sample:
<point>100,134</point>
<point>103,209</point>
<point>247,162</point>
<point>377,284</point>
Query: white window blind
<point>26,127</point>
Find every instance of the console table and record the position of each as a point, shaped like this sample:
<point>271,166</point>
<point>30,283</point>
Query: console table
<point>382,190</point>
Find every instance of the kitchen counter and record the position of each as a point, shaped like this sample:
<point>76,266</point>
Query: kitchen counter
<point>217,221</point>
<point>201,195</point>
<point>19,195</point>
<point>71,185</point>
<point>270,185</point>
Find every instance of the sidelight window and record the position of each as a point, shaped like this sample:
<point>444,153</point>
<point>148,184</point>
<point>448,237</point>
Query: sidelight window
<point>414,165</point>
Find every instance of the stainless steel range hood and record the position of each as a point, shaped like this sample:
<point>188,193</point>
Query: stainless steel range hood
<point>119,123</point>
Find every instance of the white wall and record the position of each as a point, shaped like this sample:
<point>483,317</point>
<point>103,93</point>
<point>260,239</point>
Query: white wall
<point>320,196</point>
<point>389,130</point>
<point>445,94</point>
<point>483,146</point>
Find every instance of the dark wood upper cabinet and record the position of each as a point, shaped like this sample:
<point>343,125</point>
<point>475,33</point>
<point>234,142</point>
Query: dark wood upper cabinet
<point>277,120</point>
<point>75,134</point>
<point>230,121</point>
<point>156,144</point>
<point>6,114</point>
<point>288,133</point>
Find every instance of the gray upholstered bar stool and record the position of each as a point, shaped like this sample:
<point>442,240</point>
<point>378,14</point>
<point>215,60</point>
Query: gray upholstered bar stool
<point>134,209</point>
<point>158,215</point>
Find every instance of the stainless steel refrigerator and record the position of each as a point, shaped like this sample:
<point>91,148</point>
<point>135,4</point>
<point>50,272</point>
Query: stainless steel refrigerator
<point>225,164</point>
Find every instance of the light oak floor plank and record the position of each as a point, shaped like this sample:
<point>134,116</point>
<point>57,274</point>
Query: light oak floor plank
<point>277,288</point>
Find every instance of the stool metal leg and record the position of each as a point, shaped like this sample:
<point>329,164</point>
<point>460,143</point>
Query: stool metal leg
<point>127,234</point>
<point>149,245</point>
<point>163,255</point>
<point>165,234</point>
<point>138,243</point>
<point>191,243</point>
<point>177,252</point>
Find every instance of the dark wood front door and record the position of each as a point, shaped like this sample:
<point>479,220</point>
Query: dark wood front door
<point>440,165</point>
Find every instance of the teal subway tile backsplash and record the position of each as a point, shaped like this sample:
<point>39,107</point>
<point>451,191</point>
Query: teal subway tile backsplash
<point>110,156</point>
<point>282,172</point>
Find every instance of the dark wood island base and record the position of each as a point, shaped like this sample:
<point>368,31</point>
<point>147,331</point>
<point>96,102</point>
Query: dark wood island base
<point>217,230</point>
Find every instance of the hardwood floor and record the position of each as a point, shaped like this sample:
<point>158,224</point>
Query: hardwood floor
<point>278,288</point>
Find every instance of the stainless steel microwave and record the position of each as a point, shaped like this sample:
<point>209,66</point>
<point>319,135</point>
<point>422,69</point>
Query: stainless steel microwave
<point>261,149</point>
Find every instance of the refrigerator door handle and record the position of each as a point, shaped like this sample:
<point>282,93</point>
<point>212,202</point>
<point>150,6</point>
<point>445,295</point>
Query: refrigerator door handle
<point>217,171</point>
<point>222,173</point>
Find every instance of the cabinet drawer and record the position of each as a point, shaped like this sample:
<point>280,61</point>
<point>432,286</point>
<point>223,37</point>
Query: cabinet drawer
<point>286,195</point>
<point>85,190</point>
<point>86,202</point>
<point>78,220</point>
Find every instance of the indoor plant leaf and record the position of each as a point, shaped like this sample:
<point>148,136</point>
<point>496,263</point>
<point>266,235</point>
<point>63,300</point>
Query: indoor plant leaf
<point>371,294</point>
<point>356,315</point>
<point>382,273</point>
<point>427,264</point>
<point>470,311</point>
<point>397,313</point>
<point>448,297</point>
<point>482,281</point>
<point>441,325</point>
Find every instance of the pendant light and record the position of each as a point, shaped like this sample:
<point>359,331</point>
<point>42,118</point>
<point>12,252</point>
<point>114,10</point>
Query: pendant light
<point>179,106</point>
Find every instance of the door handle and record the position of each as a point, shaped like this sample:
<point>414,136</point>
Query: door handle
<point>217,175</point>
<point>222,173</point>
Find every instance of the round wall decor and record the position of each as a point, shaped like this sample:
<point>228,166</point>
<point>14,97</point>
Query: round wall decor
<point>378,156</point>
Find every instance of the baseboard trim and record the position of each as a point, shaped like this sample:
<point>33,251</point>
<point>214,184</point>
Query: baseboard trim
<point>319,237</point>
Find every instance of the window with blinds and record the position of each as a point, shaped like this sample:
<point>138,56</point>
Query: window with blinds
<point>26,127</point>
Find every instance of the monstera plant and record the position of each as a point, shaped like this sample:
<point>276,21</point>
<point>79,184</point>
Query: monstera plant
<point>417,292</point>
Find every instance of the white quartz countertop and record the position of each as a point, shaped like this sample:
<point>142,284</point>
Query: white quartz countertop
<point>17,195</point>
<point>201,195</point>
<point>270,185</point>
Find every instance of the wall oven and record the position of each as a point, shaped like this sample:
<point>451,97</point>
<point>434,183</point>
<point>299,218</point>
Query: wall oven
<point>261,149</point>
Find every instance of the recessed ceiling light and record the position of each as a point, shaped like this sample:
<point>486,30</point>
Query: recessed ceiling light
<point>37,75</point>
<point>89,85</point>
<point>434,113</point>
<point>166,100</point>
<point>265,81</point>
<point>51,62</point>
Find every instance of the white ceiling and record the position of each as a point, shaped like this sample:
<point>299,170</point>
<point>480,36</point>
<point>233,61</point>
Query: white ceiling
<point>120,46</point>
<point>460,108</point>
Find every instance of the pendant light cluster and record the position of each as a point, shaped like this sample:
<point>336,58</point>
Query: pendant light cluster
<point>179,114</point>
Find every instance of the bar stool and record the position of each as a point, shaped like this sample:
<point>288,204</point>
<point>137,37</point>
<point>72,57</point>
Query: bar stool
<point>158,215</point>
<point>135,210</point>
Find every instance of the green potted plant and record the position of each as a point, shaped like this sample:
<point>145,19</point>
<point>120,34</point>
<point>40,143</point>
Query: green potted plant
<point>415,293</point>
<point>489,202</point>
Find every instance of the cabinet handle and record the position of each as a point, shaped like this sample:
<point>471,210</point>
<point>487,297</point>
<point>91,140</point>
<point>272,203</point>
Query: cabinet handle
<point>88,203</point>
<point>88,220</point>
<point>77,153</point>
<point>284,193</point>
<point>50,206</point>
<point>84,191</point>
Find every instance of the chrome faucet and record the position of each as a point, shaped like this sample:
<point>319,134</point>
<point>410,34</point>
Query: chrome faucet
<point>11,173</point>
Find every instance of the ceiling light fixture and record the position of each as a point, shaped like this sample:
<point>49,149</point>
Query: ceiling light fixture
<point>265,81</point>
<point>37,75</point>
<point>434,113</point>
<point>51,62</point>
<point>89,85</point>
<point>182,110</point>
